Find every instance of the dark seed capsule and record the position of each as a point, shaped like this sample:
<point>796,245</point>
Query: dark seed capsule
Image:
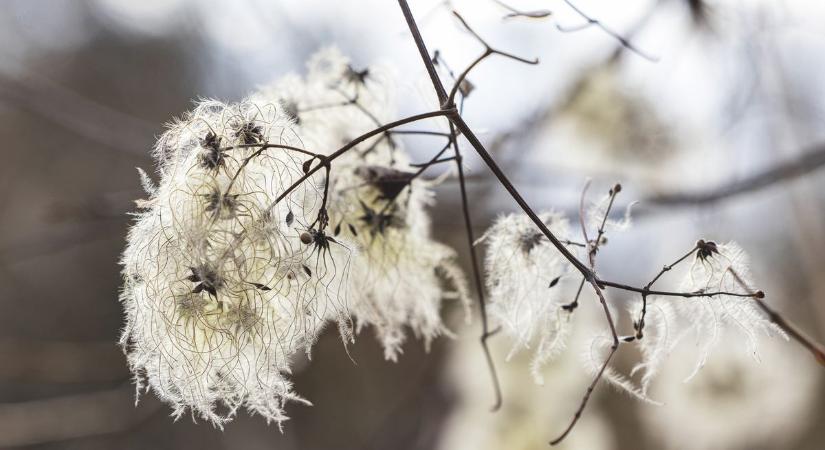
<point>352,229</point>
<point>306,238</point>
<point>262,287</point>
<point>337,230</point>
<point>554,282</point>
<point>289,218</point>
<point>306,165</point>
<point>308,271</point>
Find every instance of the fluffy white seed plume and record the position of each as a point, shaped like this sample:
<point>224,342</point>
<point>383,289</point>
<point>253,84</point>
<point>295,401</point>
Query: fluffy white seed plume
<point>528,282</point>
<point>597,211</point>
<point>715,269</point>
<point>374,199</point>
<point>220,287</point>
<point>223,283</point>
<point>660,336</point>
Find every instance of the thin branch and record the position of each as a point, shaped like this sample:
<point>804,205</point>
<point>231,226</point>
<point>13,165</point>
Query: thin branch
<point>816,349</point>
<point>535,14</point>
<point>434,162</point>
<point>256,153</point>
<point>420,132</point>
<point>600,373</point>
<point>593,248</point>
<point>640,324</point>
<point>422,50</point>
<point>590,21</point>
<point>582,212</point>
<point>488,51</point>
<point>645,291</point>
<point>355,142</point>
<point>809,162</point>
<point>468,228</point>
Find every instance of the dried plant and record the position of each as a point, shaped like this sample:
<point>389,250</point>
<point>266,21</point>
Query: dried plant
<point>298,207</point>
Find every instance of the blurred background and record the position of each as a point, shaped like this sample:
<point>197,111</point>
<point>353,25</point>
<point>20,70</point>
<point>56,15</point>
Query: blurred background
<point>720,138</point>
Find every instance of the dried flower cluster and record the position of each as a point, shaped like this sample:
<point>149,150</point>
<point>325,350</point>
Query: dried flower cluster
<point>224,281</point>
<point>529,282</point>
<point>297,207</point>
<point>532,286</point>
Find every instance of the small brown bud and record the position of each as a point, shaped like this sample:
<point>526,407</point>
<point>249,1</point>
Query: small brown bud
<point>759,294</point>
<point>306,238</point>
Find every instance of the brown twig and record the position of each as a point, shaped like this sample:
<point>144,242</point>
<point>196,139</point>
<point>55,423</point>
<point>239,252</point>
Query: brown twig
<point>593,248</point>
<point>590,21</point>
<point>810,161</point>
<point>535,14</point>
<point>816,349</point>
<point>488,51</point>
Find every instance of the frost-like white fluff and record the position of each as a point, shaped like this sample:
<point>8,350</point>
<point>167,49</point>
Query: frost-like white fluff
<point>219,289</point>
<point>223,283</point>
<point>396,281</point>
<point>528,281</point>
<point>708,316</point>
<point>669,320</point>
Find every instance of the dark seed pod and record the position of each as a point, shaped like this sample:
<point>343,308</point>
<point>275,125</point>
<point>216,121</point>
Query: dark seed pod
<point>262,287</point>
<point>554,282</point>
<point>306,238</point>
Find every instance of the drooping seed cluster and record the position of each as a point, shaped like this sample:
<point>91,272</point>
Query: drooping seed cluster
<point>531,286</point>
<point>224,281</point>
<point>255,239</point>
<point>529,282</point>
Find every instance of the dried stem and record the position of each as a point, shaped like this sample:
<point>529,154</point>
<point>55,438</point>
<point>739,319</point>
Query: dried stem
<point>468,228</point>
<point>640,324</point>
<point>328,159</point>
<point>593,247</point>
<point>810,161</point>
<point>816,349</point>
<point>590,21</point>
<point>535,14</point>
<point>488,51</point>
<point>600,373</point>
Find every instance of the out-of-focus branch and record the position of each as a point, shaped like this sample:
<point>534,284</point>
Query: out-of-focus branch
<point>807,163</point>
<point>94,121</point>
<point>590,21</point>
<point>60,362</point>
<point>72,416</point>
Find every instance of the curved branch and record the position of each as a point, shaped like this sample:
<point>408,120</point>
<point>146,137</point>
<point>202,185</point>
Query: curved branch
<point>809,162</point>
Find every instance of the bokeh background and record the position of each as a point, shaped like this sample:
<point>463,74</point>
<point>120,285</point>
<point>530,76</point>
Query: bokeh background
<point>722,138</point>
